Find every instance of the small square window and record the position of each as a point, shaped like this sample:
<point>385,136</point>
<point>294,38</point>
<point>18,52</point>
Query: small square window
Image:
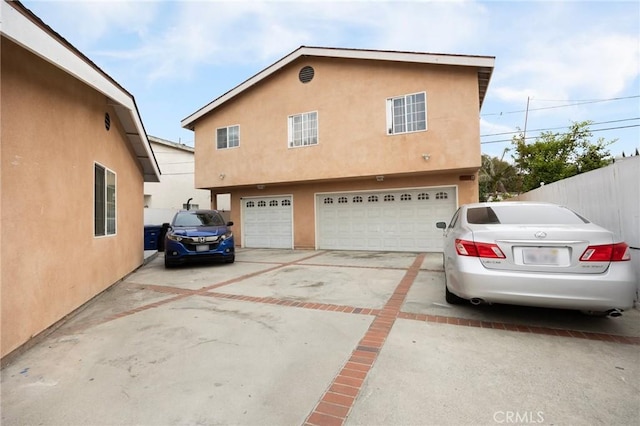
<point>228,137</point>
<point>407,113</point>
<point>303,129</point>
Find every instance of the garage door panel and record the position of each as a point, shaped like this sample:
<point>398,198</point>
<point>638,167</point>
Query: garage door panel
<point>267,222</point>
<point>358,227</point>
<point>404,222</point>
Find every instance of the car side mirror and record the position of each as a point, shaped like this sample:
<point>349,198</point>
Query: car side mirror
<point>229,223</point>
<point>166,225</point>
<point>441,225</point>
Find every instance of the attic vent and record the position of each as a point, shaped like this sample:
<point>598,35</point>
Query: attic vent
<point>107,121</point>
<point>306,74</point>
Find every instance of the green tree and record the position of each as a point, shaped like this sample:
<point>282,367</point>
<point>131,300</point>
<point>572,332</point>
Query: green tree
<point>498,179</point>
<point>556,156</point>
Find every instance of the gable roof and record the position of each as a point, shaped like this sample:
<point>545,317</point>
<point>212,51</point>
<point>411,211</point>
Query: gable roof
<point>170,144</point>
<point>24,28</point>
<point>483,64</point>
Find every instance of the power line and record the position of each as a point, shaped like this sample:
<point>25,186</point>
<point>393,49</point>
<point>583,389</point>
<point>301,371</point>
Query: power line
<point>585,102</point>
<point>563,127</point>
<point>591,130</point>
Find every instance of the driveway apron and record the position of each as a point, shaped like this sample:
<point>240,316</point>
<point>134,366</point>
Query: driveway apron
<point>289,337</point>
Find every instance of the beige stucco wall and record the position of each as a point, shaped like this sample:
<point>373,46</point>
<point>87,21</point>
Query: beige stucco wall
<point>349,96</point>
<point>353,144</point>
<point>52,132</point>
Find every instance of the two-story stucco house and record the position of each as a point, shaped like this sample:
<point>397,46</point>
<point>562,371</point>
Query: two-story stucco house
<point>346,149</point>
<point>176,187</point>
<point>74,158</point>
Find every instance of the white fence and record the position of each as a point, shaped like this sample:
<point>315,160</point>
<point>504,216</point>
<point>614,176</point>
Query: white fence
<point>158,216</point>
<point>609,197</point>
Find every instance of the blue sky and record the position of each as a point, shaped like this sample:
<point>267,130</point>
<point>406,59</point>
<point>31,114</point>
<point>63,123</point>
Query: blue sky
<point>573,60</point>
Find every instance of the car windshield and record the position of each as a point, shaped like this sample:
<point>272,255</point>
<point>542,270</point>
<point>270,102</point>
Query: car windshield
<point>198,219</point>
<point>535,214</point>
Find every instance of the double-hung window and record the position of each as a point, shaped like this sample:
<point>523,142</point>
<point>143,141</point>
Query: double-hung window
<point>104,201</point>
<point>407,113</point>
<point>303,129</point>
<point>228,137</point>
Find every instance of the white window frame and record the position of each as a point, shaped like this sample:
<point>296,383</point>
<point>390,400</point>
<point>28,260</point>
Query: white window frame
<point>105,221</point>
<point>307,134</point>
<point>227,129</point>
<point>408,115</point>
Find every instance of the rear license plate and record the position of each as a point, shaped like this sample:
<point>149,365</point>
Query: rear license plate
<point>202,247</point>
<point>541,256</point>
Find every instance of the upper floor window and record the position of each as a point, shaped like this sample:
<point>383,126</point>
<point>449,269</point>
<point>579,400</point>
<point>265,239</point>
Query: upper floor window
<point>407,113</point>
<point>228,137</point>
<point>104,201</point>
<point>303,129</point>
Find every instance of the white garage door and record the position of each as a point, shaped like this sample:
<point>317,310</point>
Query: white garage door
<point>394,220</point>
<point>267,222</point>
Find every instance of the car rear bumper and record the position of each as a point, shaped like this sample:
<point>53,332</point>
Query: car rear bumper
<point>613,289</point>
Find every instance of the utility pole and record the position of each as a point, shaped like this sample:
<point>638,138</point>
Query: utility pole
<point>526,117</point>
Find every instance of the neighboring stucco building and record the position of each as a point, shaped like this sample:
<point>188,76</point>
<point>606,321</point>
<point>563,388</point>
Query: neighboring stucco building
<point>176,186</point>
<point>346,149</point>
<point>74,158</point>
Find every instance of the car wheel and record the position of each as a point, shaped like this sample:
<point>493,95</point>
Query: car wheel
<point>451,298</point>
<point>168,264</point>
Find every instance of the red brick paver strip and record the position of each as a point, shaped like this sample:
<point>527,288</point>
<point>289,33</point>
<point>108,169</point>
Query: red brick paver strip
<point>348,383</point>
<point>575,334</point>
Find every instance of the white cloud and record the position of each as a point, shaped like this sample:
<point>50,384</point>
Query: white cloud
<point>84,23</point>
<point>569,51</point>
<point>206,33</point>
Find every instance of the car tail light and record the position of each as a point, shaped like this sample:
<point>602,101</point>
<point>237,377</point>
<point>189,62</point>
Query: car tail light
<point>470,248</point>
<point>606,253</point>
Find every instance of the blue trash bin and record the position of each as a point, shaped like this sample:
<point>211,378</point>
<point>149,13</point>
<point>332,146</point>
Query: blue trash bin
<point>152,236</point>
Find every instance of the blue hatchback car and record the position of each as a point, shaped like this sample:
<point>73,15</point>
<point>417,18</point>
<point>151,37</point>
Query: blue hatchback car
<point>198,236</point>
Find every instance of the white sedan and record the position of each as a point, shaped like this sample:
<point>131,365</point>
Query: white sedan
<point>535,254</point>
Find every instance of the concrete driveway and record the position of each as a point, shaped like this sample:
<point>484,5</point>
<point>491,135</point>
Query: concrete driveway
<point>324,338</point>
